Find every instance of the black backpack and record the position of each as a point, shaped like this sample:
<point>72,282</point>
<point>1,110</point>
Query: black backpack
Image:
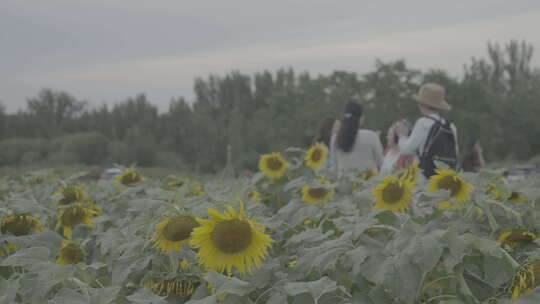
<point>440,145</point>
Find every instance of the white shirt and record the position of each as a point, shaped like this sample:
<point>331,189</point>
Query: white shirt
<point>366,153</point>
<point>414,144</point>
<point>389,161</point>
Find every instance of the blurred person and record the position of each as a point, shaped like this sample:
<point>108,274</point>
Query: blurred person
<point>473,160</point>
<point>393,158</point>
<point>352,147</point>
<point>433,137</point>
<point>324,133</point>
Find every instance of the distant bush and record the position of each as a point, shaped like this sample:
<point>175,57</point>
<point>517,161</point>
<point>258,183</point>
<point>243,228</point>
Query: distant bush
<point>63,158</point>
<point>169,159</point>
<point>91,148</point>
<point>23,151</point>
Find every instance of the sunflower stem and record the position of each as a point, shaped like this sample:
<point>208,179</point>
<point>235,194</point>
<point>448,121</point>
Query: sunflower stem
<point>385,227</point>
<point>434,282</point>
<point>441,297</point>
<point>491,219</point>
<point>507,209</point>
<point>464,286</point>
<point>509,259</point>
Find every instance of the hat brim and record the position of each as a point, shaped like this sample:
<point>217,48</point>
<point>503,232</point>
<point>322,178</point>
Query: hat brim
<point>441,104</point>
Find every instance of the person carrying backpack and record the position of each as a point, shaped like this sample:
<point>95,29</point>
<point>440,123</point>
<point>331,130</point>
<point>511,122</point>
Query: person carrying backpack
<point>433,137</point>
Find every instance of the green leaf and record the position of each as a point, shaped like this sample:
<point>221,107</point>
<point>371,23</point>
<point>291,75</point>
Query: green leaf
<point>485,246</point>
<point>104,295</point>
<point>208,300</point>
<point>309,236</point>
<point>225,284</point>
<point>429,254</point>
<point>277,298</point>
<point>68,296</point>
<point>145,296</point>
<point>122,268</point>
<point>315,288</point>
<point>48,275</point>
<point>110,240</point>
<point>325,256</point>
<point>27,257</point>
<point>357,257</point>
<point>456,248</point>
<point>8,290</point>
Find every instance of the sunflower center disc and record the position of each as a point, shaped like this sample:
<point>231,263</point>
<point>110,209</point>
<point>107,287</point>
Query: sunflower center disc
<point>393,193</point>
<point>70,196</point>
<point>19,226</point>
<point>71,254</point>
<point>520,237</point>
<point>232,236</point>
<point>317,193</point>
<point>513,196</point>
<point>73,216</point>
<point>179,229</point>
<point>274,163</point>
<point>316,155</point>
<point>451,184</point>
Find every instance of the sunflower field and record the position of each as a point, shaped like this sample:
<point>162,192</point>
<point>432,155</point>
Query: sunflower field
<point>293,233</point>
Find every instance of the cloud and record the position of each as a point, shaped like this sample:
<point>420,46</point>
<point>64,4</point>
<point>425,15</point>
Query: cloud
<point>445,47</point>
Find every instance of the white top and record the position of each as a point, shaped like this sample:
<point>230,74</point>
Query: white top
<point>414,144</point>
<point>366,153</point>
<point>389,161</point>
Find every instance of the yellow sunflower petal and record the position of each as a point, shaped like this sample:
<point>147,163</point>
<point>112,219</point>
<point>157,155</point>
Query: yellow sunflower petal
<point>228,243</point>
<point>393,194</point>
<point>316,156</point>
<point>273,165</point>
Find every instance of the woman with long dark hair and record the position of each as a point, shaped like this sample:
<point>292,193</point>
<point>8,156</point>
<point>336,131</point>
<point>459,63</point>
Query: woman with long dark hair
<point>355,148</point>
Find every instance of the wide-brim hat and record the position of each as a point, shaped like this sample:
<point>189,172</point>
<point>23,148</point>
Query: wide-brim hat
<point>432,95</point>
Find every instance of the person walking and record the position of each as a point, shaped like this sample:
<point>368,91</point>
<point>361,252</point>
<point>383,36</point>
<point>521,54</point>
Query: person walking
<point>394,160</point>
<point>433,137</point>
<point>354,148</point>
<point>473,160</point>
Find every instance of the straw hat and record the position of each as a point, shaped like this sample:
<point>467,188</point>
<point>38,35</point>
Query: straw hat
<point>432,95</point>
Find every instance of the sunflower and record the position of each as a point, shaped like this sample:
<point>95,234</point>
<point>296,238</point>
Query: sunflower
<point>410,173</point>
<point>316,195</point>
<point>525,279</point>
<point>72,194</point>
<point>316,156</point>
<point>172,233</point>
<point>177,182</point>
<point>460,190</point>
<point>73,216</point>
<point>8,248</point>
<point>69,253</point>
<point>368,174</point>
<point>21,224</point>
<point>230,239</point>
<point>516,197</point>
<point>273,165</point>
<point>129,177</point>
<point>195,187</point>
<point>254,195</point>
<point>393,194</point>
<point>167,287</point>
<point>516,237</point>
<point>493,192</point>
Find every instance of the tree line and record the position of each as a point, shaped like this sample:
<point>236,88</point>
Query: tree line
<point>497,100</point>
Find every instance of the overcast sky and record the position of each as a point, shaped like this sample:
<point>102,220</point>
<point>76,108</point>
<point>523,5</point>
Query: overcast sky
<point>108,50</point>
